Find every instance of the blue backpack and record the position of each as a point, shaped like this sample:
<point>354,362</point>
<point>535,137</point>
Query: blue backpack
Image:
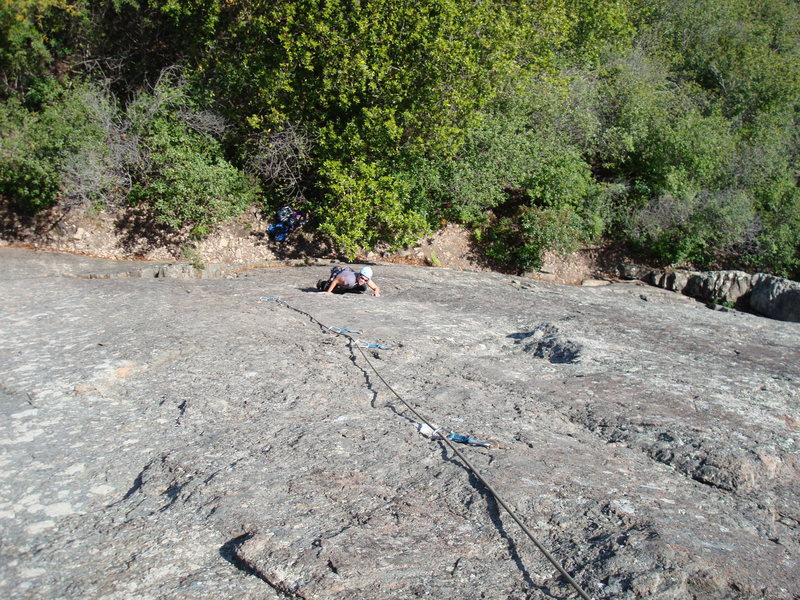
<point>288,220</point>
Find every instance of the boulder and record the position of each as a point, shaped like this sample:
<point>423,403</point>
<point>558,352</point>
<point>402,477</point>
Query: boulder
<point>628,271</point>
<point>718,287</point>
<point>767,295</point>
<point>677,281</point>
<point>775,297</point>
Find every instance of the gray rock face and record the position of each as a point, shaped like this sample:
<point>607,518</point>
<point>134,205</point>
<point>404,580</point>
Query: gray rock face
<point>776,297</point>
<point>771,296</point>
<point>179,438</point>
<point>717,286</point>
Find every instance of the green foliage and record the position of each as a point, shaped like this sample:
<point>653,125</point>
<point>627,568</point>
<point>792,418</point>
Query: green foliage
<point>519,242</point>
<point>78,148</point>
<point>195,19</point>
<point>520,174</point>
<point>377,83</point>
<point>188,181</point>
<point>190,255</point>
<point>767,159</point>
<point>700,125</point>
<point>365,207</point>
<point>32,34</point>
<point>659,132</point>
<point>394,73</point>
<point>599,26</point>
<point>182,172</point>
<point>767,166</point>
<point>777,247</point>
<point>678,154</point>
<point>699,228</point>
<point>538,123</point>
<point>36,146</point>
<point>745,52</point>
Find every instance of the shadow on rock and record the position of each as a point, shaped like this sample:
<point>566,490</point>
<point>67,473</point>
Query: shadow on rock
<point>20,227</point>
<point>493,507</point>
<point>494,513</point>
<point>296,246</point>
<point>546,342</point>
<point>230,552</point>
<point>140,232</point>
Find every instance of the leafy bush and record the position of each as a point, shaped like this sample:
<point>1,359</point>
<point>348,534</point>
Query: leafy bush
<point>409,73</point>
<point>37,146</point>
<point>79,149</point>
<point>365,205</point>
<point>598,25</point>
<point>169,148</point>
<point>518,242</point>
<point>26,48</point>
<point>187,180</point>
<point>656,128</point>
<point>777,247</point>
<point>520,177</point>
<point>744,53</point>
<point>387,90</point>
<point>527,121</point>
<point>697,228</point>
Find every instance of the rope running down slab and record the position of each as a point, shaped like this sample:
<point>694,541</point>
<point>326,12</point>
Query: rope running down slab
<point>353,343</point>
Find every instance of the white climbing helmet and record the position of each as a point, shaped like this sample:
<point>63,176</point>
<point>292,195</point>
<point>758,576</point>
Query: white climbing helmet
<point>366,272</point>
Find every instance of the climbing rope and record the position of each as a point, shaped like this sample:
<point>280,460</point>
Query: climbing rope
<point>354,343</point>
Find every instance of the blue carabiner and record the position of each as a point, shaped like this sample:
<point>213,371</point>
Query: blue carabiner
<point>364,344</point>
<point>337,330</point>
<point>465,439</point>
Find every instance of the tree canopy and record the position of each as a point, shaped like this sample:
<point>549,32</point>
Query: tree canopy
<point>540,124</point>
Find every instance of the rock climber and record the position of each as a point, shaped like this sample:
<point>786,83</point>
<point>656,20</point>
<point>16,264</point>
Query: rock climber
<point>344,279</point>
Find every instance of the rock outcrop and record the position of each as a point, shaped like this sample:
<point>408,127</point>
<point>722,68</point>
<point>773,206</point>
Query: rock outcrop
<point>181,438</point>
<point>768,295</point>
<point>776,297</point>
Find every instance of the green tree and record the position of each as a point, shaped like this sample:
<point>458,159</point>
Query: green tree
<point>37,145</point>
<point>366,206</point>
<point>599,27</point>
<point>378,85</point>
<point>746,52</point>
<point>179,166</point>
<point>700,123</point>
<point>386,74</point>
<point>34,34</point>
